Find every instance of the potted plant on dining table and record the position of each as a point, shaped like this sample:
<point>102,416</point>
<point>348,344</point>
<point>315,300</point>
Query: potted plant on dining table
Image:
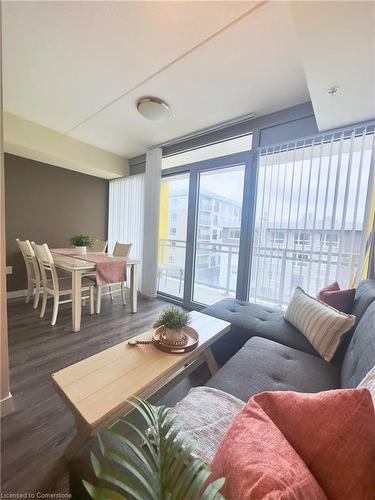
<point>80,242</point>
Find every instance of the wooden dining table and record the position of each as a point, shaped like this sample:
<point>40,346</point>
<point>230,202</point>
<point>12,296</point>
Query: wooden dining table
<point>78,267</point>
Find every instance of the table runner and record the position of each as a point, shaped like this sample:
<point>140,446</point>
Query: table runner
<point>108,269</point>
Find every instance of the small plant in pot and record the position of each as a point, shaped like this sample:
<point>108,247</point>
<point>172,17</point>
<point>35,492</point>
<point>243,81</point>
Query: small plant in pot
<point>80,242</point>
<point>174,321</point>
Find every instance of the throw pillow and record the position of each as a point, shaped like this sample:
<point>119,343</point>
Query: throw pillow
<point>332,433</point>
<point>205,414</point>
<point>258,462</point>
<point>368,382</point>
<point>342,300</point>
<point>322,325</point>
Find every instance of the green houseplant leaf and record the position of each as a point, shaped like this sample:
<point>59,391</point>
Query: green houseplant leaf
<point>160,465</point>
<point>173,318</point>
<point>80,240</point>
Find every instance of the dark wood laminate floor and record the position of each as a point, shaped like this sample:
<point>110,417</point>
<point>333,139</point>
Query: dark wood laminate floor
<point>34,436</point>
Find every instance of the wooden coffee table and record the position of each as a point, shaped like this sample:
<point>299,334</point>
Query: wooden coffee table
<point>97,388</point>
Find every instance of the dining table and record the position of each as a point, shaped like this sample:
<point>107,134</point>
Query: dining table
<point>77,267</point>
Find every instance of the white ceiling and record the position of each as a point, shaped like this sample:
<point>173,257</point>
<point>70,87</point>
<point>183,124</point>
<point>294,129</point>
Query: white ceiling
<point>337,41</point>
<point>79,67</point>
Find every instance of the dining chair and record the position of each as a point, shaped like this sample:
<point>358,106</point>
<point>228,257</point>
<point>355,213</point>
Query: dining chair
<point>57,286</point>
<point>98,246</point>
<point>120,250</point>
<point>32,270</point>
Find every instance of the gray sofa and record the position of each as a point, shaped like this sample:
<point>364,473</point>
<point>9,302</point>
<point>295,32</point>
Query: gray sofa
<point>273,356</point>
<point>252,320</point>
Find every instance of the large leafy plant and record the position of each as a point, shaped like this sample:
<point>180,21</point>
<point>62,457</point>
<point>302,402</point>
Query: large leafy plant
<point>80,240</point>
<point>164,468</point>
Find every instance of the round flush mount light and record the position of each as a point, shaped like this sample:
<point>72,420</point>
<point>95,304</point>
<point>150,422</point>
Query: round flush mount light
<point>333,90</point>
<point>153,108</point>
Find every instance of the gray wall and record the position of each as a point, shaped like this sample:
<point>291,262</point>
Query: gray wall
<point>48,204</point>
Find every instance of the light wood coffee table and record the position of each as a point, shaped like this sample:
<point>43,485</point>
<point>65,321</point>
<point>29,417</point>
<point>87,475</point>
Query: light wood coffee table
<point>97,389</point>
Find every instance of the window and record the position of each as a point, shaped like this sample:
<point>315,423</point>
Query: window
<point>315,188</point>
<point>214,234</point>
<point>234,234</point>
<point>216,207</point>
<point>172,224</point>
<point>302,239</point>
<point>230,146</point>
<point>301,259</point>
<point>216,220</point>
<point>203,233</point>
<point>327,239</point>
<point>173,219</point>
<point>277,237</point>
<point>204,218</point>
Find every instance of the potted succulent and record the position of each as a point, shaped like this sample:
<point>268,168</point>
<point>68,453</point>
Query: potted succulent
<point>174,321</point>
<point>80,242</point>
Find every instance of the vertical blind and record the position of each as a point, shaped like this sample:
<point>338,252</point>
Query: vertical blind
<point>126,213</point>
<point>312,204</point>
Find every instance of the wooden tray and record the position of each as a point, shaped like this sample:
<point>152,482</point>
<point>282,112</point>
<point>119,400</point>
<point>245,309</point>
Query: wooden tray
<point>192,335</point>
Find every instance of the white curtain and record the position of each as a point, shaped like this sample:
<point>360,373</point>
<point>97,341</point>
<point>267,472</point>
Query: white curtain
<point>126,214</point>
<point>310,213</point>
<point>151,222</point>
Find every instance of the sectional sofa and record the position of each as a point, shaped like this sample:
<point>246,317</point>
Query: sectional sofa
<point>268,354</point>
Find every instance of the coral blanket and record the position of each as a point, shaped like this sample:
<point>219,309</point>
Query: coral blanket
<point>109,269</point>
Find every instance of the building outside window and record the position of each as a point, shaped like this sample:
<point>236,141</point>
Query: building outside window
<point>327,239</point>
<point>302,238</point>
<point>277,237</point>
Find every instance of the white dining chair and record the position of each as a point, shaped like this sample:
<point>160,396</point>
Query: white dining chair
<point>98,246</point>
<point>120,250</point>
<point>32,270</point>
<point>57,286</point>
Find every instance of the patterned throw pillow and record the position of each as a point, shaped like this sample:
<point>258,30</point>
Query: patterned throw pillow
<point>322,325</point>
<point>368,382</point>
<point>206,427</point>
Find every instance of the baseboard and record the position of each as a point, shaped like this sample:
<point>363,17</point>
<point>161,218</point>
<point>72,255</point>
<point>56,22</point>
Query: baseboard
<point>7,405</point>
<point>16,293</point>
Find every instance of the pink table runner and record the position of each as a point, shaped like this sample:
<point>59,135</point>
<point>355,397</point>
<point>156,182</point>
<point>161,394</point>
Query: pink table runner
<point>108,269</point>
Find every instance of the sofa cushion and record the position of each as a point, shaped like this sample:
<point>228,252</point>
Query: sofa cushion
<point>252,320</point>
<point>264,365</point>
<point>364,296</point>
<point>360,354</point>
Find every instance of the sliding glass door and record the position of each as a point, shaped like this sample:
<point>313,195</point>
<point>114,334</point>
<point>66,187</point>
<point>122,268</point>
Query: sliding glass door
<point>201,223</point>
<point>218,229</point>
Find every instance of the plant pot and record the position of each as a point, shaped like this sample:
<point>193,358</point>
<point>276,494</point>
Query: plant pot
<point>81,250</point>
<point>173,336</point>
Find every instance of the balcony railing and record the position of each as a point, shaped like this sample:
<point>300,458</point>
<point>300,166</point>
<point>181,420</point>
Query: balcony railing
<point>274,275</point>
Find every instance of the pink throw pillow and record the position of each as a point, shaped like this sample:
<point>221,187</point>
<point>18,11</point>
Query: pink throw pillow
<point>342,300</point>
<point>283,444</point>
<point>258,462</point>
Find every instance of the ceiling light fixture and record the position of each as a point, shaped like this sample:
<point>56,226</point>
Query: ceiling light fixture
<point>333,90</point>
<point>153,108</point>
